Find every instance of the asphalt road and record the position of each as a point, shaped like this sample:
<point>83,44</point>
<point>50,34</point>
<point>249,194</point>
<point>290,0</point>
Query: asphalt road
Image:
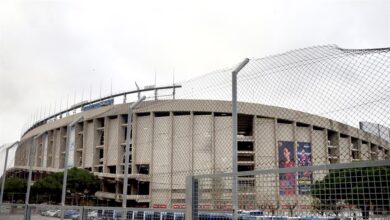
<point>20,217</point>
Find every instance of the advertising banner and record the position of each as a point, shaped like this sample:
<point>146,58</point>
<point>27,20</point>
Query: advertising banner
<point>45,143</point>
<point>98,105</point>
<point>304,159</point>
<point>286,154</point>
<point>72,138</point>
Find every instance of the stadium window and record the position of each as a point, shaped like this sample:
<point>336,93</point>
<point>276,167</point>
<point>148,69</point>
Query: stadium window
<point>101,154</point>
<point>141,114</point>
<point>100,122</point>
<point>161,114</point>
<point>302,125</point>
<point>143,168</point>
<point>124,119</point>
<point>101,140</point>
<point>112,169</point>
<point>245,158</point>
<point>222,114</point>
<point>284,121</point>
<point>202,113</point>
<point>244,146</point>
<point>243,168</point>
<point>125,133</point>
<point>332,138</point>
<point>143,188</point>
<point>245,125</point>
<point>181,113</point>
<point>318,128</point>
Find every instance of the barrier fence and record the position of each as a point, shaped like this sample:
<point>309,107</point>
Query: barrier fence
<point>37,212</point>
<point>357,190</point>
<point>305,118</point>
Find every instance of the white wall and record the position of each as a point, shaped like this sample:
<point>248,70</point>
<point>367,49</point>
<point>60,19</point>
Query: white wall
<point>202,144</point>
<point>113,147</point>
<point>89,144</point>
<point>161,166</point>
<point>223,144</point>
<point>143,140</point>
<point>182,150</point>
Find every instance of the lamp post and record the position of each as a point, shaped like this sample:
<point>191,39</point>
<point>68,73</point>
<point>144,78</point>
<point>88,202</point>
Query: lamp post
<point>64,180</point>
<point>5,171</point>
<point>127,152</point>
<point>234,133</point>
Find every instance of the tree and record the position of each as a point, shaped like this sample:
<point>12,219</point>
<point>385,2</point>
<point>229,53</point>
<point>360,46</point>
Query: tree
<point>79,182</point>
<point>82,182</point>
<point>364,188</point>
<point>50,185</point>
<point>15,186</point>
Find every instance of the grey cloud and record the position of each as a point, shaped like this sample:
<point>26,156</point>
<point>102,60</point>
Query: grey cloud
<point>51,49</point>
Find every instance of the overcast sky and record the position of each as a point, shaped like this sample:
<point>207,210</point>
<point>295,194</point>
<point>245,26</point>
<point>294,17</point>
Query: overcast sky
<point>52,50</point>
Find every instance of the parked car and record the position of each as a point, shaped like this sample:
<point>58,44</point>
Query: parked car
<point>71,214</point>
<point>272,218</point>
<point>255,212</point>
<point>138,215</point>
<point>51,213</point>
<point>92,215</point>
<point>317,218</point>
<point>179,216</point>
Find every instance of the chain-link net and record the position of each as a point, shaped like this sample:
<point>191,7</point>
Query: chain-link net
<point>304,108</point>
<point>314,106</point>
<point>359,190</point>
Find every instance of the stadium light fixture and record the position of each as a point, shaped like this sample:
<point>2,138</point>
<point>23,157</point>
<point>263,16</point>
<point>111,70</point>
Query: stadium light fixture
<point>234,133</point>
<point>5,170</point>
<point>127,151</point>
<point>64,180</point>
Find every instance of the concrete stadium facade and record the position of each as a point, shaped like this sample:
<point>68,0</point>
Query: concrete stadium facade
<point>172,139</point>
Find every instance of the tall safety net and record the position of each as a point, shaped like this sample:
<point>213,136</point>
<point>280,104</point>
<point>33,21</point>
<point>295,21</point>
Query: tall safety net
<point>312,140</point>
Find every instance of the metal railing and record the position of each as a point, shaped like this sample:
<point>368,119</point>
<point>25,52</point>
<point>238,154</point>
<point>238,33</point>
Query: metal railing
<point>16,211</point>
<point>85,103</point>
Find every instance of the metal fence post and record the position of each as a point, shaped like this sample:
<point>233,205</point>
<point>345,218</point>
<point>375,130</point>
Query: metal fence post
<point>28,215</point>
<point>30,162</point>
<point>28,180</point>
<point>5,171</point>
<point>65,177</point>
<point>234,134</point>
<point>192,198</point>
<point>127,153</point>
<point>82,213</point>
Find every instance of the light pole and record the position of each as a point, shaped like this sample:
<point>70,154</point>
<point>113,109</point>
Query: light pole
<point>5,171</point>
<point>127,152</point>
<point>30,162</point>
<point>64,180</point>
<point>234,133</point>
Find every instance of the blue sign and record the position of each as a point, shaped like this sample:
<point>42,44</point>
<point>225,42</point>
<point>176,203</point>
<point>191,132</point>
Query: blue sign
<point>98,105</point>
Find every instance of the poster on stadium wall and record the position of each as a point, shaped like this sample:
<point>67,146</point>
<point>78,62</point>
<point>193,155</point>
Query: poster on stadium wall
<point>286,154</point>
<point>304,159</point>
<point>45,143</point>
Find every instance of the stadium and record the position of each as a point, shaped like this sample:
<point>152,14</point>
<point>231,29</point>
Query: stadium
<point>188,135</point>
<point>172,139</point>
